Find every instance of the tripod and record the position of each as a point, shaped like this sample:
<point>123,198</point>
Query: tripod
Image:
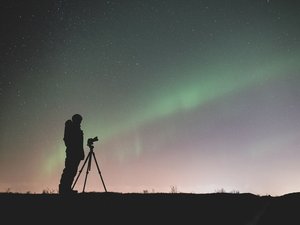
<point>89,160</point>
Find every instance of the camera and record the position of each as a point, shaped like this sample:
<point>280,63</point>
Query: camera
<point>91,141</point>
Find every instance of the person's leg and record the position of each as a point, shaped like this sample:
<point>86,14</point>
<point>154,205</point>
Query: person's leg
<point>67,175</point>
<point>73,170</point>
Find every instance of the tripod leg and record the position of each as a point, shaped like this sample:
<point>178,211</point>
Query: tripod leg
<point>99,172</point>
<point>87,170</point>
<point>80,171</point>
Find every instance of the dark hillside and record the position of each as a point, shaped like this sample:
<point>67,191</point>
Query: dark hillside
<point>156,208</point>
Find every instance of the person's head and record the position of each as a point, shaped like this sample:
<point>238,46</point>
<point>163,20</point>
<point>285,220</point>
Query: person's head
<point>76,119</point>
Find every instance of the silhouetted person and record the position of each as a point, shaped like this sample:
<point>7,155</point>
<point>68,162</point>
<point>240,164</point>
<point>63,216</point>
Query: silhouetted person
<point>73,138</point>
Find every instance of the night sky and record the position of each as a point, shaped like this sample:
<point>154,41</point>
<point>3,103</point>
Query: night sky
<point>200,95</point>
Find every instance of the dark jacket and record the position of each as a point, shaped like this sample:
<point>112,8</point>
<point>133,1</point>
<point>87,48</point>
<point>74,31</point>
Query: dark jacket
<point>73,138</point>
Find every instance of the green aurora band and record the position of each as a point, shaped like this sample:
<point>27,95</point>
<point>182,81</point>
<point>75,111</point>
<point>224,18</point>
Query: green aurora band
<point>187,95</point>
<point>193,91</point>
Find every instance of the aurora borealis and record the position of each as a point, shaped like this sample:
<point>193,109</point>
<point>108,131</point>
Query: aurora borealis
<point>201,95</point>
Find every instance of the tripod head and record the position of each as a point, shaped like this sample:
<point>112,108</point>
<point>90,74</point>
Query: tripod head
<point>90,142</point>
